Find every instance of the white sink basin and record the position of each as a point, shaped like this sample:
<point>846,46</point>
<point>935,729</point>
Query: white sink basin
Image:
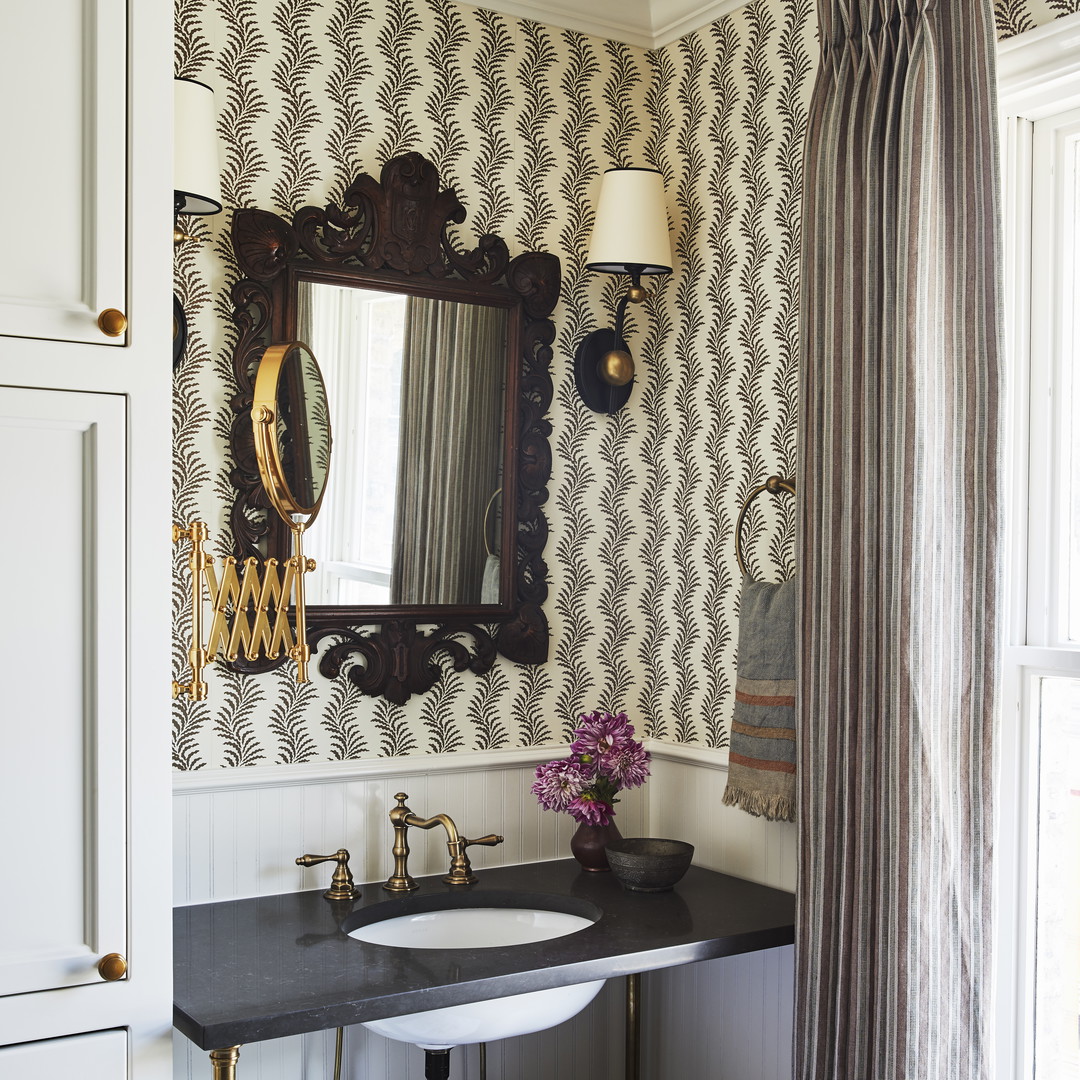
<point>488,1021</point>
<point>479,928</point>
<point>471,928</point>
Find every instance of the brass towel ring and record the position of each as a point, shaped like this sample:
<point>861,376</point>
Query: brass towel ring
<point>774,486</point>
<point>487,518</point>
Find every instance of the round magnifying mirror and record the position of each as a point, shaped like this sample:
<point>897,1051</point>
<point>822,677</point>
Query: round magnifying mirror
<point>291,421</point>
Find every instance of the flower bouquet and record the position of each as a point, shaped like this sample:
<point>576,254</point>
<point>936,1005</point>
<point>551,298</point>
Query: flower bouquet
<point>604,758</point>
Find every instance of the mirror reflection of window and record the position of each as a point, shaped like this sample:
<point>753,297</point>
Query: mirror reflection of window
<point>357,336</point>
<point>416,389</point>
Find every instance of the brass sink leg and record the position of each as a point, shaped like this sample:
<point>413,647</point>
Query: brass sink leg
<point>339,1043</point>
<point>223,1062</point>
<point>633,1027</point>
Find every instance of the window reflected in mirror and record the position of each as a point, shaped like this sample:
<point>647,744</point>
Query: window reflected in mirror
<point>412,513</point>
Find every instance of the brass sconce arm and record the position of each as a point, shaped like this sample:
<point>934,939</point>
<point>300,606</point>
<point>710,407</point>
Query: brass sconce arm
<point>603,366</point>
<point>179,235</point>
<point>616,366</point>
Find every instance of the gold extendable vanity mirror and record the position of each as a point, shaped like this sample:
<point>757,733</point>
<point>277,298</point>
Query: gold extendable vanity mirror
<point>290,429</point>
<point>436,360</point>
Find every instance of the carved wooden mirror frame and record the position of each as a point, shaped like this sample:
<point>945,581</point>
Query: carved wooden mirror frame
<point>392,233</point>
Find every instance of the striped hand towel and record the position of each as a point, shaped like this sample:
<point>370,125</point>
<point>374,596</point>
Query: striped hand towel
<point>761,772</point>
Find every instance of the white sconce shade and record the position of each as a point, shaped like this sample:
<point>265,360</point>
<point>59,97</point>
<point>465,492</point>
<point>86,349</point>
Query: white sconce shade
<point>631,230</point>
<point>196,170</point>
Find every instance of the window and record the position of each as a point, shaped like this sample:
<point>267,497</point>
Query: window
<point>1039,750</point>
<point>356,334</point>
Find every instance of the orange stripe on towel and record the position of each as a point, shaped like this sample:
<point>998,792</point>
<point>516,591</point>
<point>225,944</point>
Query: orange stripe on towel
<point>760,699</point>
<point>758,763</point>
<point>740,728</point>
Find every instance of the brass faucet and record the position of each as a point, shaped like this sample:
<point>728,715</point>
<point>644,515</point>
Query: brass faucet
<point>401,817</point>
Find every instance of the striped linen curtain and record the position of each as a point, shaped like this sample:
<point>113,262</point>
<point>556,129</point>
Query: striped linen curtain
<point>453,366</point>
<point>898,544</point>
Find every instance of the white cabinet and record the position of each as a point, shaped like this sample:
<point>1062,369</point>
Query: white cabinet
<point>63,184</point>
<point>101,1055</point>
<point>62,771</point>
<point>85,554</point>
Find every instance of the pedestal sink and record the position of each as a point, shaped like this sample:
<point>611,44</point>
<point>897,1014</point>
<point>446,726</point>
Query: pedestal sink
<point>471,928</point>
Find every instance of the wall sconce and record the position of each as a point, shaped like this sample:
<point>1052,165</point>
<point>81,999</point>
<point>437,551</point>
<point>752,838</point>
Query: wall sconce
<point>196,170</point>
<point>630,237</point>
<point>196,174</point>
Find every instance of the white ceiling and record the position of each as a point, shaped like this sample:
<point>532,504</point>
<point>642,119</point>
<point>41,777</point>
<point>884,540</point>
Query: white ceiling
<point>648,23</point>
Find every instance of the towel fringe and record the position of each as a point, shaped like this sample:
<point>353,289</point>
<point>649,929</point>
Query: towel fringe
<point>770,807</point>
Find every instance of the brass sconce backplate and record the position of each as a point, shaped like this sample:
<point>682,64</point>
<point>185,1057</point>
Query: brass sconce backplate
<point>597,392</point>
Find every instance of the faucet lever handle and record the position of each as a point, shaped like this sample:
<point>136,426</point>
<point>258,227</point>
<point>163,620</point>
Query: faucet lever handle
<point>460,868</point>
<point>341,885</point>
<point>486,841</point>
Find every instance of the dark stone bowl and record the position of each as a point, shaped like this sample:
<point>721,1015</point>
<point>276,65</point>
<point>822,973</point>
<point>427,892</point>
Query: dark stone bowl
<point>646,864</point>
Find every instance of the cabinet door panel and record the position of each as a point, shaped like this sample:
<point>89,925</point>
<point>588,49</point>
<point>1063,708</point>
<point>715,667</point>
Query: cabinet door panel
<point>64,132</point>
<point>62,772</point>
<point>101,1055</point>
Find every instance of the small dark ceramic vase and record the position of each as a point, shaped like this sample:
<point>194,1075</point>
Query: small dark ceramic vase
<point>588,843</point>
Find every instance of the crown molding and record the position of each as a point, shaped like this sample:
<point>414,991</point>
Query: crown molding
<point>648,24</point>
<point>683,17</point>
<point>1039,71</point>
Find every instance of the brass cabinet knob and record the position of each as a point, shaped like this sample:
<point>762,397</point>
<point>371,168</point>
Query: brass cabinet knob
<point>112,322</point>
<point>112,967</point>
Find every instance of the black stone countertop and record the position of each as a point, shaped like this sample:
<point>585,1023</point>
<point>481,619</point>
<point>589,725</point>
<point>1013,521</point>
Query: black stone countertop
<point>262,968</point>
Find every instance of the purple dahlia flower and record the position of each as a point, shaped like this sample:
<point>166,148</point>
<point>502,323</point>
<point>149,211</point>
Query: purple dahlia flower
<point>600,733</point>
<point>628,766</point>
<point>590,810</point>
<point>558,783</point>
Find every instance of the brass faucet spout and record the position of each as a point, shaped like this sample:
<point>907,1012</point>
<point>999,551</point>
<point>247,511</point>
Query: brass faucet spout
<point>452,835</point>
<point>402,819</point>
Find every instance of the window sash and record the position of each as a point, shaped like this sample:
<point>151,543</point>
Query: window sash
<point>1039,79</point>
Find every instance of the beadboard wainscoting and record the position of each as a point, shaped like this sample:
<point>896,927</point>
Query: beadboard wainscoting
<point>726,1019</point>
<point>686,802</point>
<point>239,831</point>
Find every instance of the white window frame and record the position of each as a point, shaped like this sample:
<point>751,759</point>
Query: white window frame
<point>1038,77</point>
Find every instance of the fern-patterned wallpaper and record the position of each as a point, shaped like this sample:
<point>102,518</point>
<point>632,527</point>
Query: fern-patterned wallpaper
<point>522,118</point>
